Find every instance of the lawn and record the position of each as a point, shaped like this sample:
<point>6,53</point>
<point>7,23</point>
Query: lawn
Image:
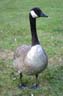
<point>15,31</point>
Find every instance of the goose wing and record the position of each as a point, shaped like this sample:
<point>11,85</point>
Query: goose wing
<point>19,57</point>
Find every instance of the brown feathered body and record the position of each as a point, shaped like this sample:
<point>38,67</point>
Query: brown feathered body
<point>32,64</point>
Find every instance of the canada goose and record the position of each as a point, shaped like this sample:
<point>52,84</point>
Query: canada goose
<point>31,59</point>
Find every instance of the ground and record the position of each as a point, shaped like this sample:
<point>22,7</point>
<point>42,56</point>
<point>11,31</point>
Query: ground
<point>15,31</point>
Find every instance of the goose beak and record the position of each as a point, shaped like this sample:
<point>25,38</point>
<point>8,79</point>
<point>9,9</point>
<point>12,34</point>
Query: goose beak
<point>43,15</point>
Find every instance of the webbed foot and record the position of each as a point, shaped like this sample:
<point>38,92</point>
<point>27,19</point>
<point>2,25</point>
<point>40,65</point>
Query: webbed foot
<point>35,86</point>
<point>22,86</point>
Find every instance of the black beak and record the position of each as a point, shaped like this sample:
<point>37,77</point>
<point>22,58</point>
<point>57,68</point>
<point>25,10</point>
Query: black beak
<point>43,15</point>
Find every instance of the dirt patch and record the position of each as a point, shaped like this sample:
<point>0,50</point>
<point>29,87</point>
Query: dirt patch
<point>6,54</point>
<point>58,60</point>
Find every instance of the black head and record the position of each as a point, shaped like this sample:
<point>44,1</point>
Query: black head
<point>36,12</point>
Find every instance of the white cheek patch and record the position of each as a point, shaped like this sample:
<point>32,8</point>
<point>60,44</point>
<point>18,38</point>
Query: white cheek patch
<point>33,14</point>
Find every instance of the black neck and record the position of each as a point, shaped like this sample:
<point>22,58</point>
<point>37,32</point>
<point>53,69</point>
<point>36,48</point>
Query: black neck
<point>33,30</point>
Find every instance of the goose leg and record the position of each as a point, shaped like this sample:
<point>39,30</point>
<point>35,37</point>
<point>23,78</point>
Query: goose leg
<point>37,83</point>
<point>21,78</point>
<point>21,85</point>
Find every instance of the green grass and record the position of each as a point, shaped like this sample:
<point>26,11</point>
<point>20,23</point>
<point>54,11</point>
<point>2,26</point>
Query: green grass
<point>14,23</point>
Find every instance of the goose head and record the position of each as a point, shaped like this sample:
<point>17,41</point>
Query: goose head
<point>37,12</point>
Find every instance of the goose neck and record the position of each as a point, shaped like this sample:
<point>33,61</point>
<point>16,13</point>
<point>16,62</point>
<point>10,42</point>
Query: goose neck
<point>33,31</point>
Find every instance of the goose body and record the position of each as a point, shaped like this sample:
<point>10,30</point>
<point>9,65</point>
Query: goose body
<point>31,59</point>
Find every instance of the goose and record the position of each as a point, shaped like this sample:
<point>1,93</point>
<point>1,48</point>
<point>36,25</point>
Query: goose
<point>31,59</point>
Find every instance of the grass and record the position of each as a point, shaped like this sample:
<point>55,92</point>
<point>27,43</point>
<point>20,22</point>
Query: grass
<point>14,24</point>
